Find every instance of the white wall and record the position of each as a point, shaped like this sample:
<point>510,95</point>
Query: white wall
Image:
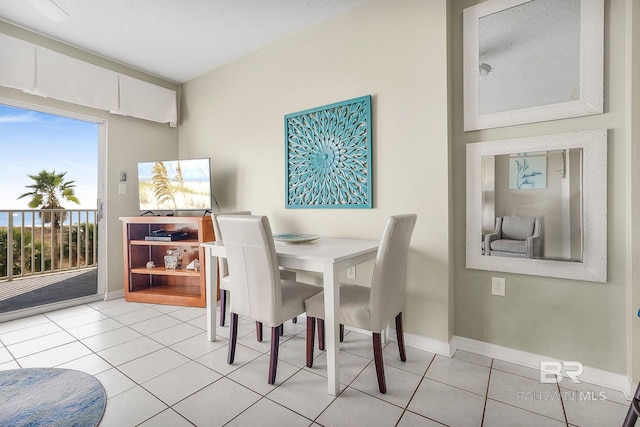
<point>397,52</point>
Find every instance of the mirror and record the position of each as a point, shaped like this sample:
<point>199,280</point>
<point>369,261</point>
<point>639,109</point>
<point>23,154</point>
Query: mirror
<point>551,189</point>
<point>532,60</point>
<point>511,41</point>
<point>545,185</point>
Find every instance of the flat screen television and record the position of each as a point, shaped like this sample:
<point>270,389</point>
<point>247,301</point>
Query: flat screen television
<point>174,185</point>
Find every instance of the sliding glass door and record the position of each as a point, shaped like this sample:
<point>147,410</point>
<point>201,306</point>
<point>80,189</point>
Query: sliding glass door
<point>52,178</point>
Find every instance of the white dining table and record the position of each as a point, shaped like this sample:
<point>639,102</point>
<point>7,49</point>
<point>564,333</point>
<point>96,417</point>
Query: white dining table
<point>325,255</point>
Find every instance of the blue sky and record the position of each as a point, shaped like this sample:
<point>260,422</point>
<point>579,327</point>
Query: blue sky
<point>31,141</point>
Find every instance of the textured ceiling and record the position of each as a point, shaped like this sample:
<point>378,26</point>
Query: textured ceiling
<point>534,52</point>
<point>173,39</point>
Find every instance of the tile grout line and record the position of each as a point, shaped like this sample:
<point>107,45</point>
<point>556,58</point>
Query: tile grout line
<point>486,394</point>
<point>564,410</point>
<point>422,378</point>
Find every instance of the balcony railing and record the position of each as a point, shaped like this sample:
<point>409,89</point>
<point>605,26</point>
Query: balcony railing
<point>35,242</point>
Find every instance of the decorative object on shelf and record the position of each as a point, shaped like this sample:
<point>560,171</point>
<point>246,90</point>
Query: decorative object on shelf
<point>193,265</point>
<point>151,264</point>
<point>328,156</point>
<point>173,259</point>
<point>295,238</point>
<point>170,262</point>
<point>528,173</point>
<point>530,61</point>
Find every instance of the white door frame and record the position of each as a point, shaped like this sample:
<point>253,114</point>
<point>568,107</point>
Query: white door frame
<point>102,224</point>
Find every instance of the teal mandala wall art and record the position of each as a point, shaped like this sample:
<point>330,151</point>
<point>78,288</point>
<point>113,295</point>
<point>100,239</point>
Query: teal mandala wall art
<point>328,156</point>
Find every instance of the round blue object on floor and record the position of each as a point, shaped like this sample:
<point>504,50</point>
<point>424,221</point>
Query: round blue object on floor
<point>50,397</point>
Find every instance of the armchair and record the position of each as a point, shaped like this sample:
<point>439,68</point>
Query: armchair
<point>515,236</point>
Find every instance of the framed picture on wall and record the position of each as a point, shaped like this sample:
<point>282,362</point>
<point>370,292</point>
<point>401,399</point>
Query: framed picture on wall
<point>532,60</point>
<point>328,156</point>
<point>527,173</point>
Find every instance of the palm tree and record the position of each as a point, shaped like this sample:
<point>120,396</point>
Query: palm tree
<point>47,191</point>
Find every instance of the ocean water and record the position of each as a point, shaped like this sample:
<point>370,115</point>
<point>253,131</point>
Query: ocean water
<point>33,217</point>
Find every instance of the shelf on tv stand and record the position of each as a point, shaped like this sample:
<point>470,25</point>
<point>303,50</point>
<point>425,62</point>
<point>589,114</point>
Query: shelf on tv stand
<point>190,242</point>
<point>161,285</point>
<point>165,271</point>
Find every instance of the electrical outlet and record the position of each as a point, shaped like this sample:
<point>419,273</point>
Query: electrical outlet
<point>351,272</point>
<point>498,286</point>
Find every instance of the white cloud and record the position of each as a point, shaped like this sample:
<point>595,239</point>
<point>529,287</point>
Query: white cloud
<point>19,118</point>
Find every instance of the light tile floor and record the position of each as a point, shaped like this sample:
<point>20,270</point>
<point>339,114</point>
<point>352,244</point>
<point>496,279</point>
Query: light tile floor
<point>159,370</point>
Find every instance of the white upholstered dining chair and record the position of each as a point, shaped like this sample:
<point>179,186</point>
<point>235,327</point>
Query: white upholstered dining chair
<point>373,308</point>
<point>258,291</point>
<point>223,271</point>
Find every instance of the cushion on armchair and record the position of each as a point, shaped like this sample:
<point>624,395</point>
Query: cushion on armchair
<point>510,246</point>
<point>517,228</point>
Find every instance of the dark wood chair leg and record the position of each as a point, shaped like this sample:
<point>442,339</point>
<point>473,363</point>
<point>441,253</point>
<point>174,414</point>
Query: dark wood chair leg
<point>223,306</point>
<point>273,362</point>
<point>259,331</point>
<point>311,331</point>
<point>321,334</point>
<point>281,330</point>
<point>400,336</point>
<point>377,358</point>
<point>295,319</point>
<point>233,336</point>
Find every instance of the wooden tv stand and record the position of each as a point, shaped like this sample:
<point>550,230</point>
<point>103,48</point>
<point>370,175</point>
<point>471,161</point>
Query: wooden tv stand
<point>160,285</point>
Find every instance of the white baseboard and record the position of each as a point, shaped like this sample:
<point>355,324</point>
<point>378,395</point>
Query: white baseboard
<point>591,375</point>
<point>114,294</point>
<point>442,348</point>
